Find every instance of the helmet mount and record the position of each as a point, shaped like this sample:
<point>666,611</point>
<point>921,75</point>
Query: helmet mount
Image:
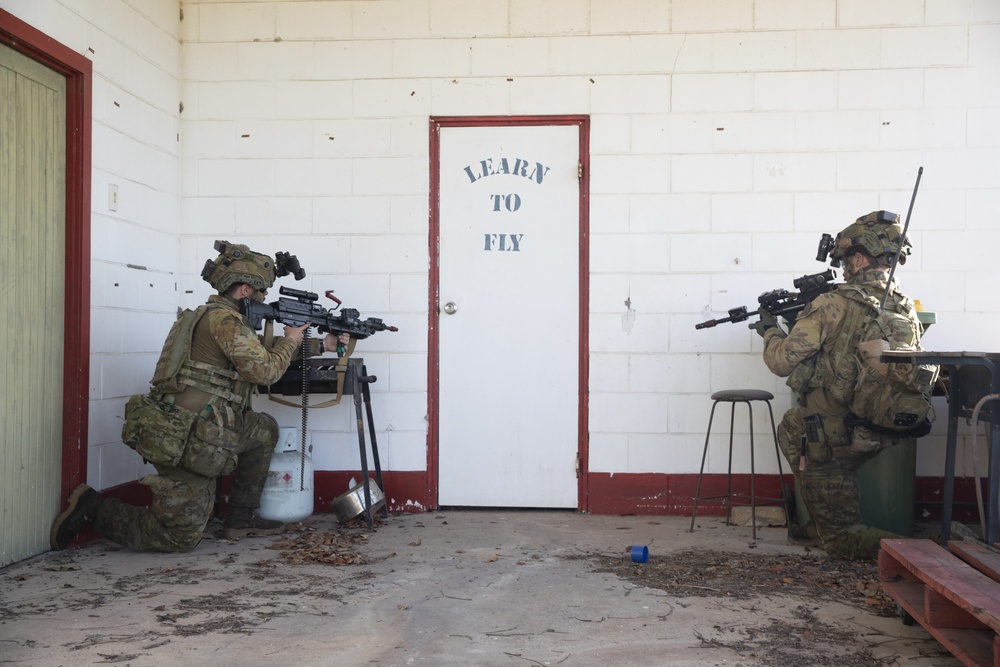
<point>877,233</point>
<point>238,264</point>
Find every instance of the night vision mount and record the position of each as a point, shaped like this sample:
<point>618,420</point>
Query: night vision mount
<point>284,263</point>
<point>823,252</point>
<point>827,242</point>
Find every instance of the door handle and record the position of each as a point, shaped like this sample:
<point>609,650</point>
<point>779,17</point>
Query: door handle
<point>450,308</point>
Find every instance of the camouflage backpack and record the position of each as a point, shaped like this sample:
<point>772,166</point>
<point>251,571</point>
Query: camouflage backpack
<point>893,399</point>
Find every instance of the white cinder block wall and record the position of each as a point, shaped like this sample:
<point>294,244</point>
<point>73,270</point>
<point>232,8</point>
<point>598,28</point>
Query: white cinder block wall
<point>136,53</point>
<point>727,135</point>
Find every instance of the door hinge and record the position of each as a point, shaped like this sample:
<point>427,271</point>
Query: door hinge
<point>579,170</point>
<point>578,465</point>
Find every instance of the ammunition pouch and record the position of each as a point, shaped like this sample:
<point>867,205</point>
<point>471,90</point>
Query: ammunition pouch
<point>211,450</point>
<point>817,448</point>
<point>164,434</point>
<point>157,431</point>
<point>800,379</point>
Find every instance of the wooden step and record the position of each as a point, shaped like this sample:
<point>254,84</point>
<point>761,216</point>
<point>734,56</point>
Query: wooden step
<point>953,600</point>
<point>979,556</point>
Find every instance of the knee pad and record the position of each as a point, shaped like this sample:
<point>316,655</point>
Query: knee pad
<point>182,507</point>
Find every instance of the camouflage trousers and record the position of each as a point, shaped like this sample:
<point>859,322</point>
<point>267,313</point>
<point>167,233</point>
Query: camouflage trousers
<point>830,490</point>
<point>183,500</point>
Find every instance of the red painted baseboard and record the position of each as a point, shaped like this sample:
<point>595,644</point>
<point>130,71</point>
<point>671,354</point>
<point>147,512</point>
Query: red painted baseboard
<point>661,494</point>
<point>607,493</point>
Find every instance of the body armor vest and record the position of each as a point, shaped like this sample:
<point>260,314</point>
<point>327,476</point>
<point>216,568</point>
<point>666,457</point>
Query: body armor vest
<point>175,369</point>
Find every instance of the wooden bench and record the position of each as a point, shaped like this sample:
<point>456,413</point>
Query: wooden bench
<point>955,601</point>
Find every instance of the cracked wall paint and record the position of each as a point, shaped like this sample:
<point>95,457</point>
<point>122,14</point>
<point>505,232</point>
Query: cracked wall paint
<point>628,318</point>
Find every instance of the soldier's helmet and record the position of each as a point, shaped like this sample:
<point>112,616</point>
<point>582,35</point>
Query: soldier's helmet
<point>879,233</point>
<point>238,264</point>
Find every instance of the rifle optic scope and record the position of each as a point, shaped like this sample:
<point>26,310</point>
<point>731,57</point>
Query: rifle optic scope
<point>300,294</point>
<point>811,282</point>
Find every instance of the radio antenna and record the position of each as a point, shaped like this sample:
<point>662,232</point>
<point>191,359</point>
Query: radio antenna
<point>902,240</point>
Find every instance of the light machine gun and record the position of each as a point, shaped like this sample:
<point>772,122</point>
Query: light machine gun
<point>781,302</point>
<point>303,309</point>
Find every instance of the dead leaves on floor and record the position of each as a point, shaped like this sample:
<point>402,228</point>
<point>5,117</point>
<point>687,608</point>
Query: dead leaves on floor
<point>303,544</point>
<point>701,572</point>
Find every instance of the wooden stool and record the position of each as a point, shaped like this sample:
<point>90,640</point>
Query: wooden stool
<point>734,396</point>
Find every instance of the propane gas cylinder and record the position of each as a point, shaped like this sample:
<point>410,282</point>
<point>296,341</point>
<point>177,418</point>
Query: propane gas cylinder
<point>288,489</point>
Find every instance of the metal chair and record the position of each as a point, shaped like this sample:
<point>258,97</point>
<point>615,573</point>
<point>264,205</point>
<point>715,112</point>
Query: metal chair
<point>734,396</point>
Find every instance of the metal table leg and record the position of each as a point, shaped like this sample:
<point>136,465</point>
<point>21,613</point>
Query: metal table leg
<point>366,380</point>
<point>949,471</point>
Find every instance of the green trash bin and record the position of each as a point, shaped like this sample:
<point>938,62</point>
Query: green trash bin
<point>888,490</point>
<point>888,482</point>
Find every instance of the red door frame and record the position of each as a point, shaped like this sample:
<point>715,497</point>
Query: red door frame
<point>76,369</point>
<point>433,378</point>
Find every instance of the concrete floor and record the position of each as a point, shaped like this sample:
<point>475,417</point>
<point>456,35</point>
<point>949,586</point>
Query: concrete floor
<point>443,588</point>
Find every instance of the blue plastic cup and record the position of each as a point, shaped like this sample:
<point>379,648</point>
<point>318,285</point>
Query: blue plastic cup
<point>639,554</point>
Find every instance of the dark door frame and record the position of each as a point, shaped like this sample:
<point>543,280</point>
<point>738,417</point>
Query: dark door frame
<point>433,378</point>
<point>78,71</point>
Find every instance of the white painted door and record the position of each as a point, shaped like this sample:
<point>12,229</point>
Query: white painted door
<point>509,299</point>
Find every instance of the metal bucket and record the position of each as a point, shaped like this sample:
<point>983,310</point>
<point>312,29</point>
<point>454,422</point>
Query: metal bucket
<point>351,503</point>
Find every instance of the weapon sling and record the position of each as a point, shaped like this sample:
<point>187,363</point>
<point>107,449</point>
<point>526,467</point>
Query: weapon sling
<point>341,375</point>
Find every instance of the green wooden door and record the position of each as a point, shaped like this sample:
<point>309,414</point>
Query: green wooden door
<point>32,281</point>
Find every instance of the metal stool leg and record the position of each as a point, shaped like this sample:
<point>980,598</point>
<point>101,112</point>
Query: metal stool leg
<point>753,479</point>
<point>704,455</point>
<point>781,472</point>
<point>729,470</point>
<point>747,397</point>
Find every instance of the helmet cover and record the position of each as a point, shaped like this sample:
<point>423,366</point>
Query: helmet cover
<point>238,264</point>
<point>879,233</point>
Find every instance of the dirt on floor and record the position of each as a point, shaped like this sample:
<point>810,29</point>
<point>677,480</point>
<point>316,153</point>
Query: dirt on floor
<point>751,576</point>
<point>704,573</point>
<point>773,602</point>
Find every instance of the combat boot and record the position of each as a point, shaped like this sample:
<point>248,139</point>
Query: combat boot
<point>244,522</point>
<point>803,536</point>
<point>82,512</point>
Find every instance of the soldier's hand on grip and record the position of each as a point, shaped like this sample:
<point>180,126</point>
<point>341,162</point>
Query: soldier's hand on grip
<point>766,321</point>
<point>295,333</point>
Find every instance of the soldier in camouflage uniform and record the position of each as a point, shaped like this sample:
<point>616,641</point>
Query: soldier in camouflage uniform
<point>824,451</point>
<point>196,423</point>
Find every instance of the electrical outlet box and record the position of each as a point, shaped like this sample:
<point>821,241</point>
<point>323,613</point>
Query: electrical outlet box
<point>112,197</point>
